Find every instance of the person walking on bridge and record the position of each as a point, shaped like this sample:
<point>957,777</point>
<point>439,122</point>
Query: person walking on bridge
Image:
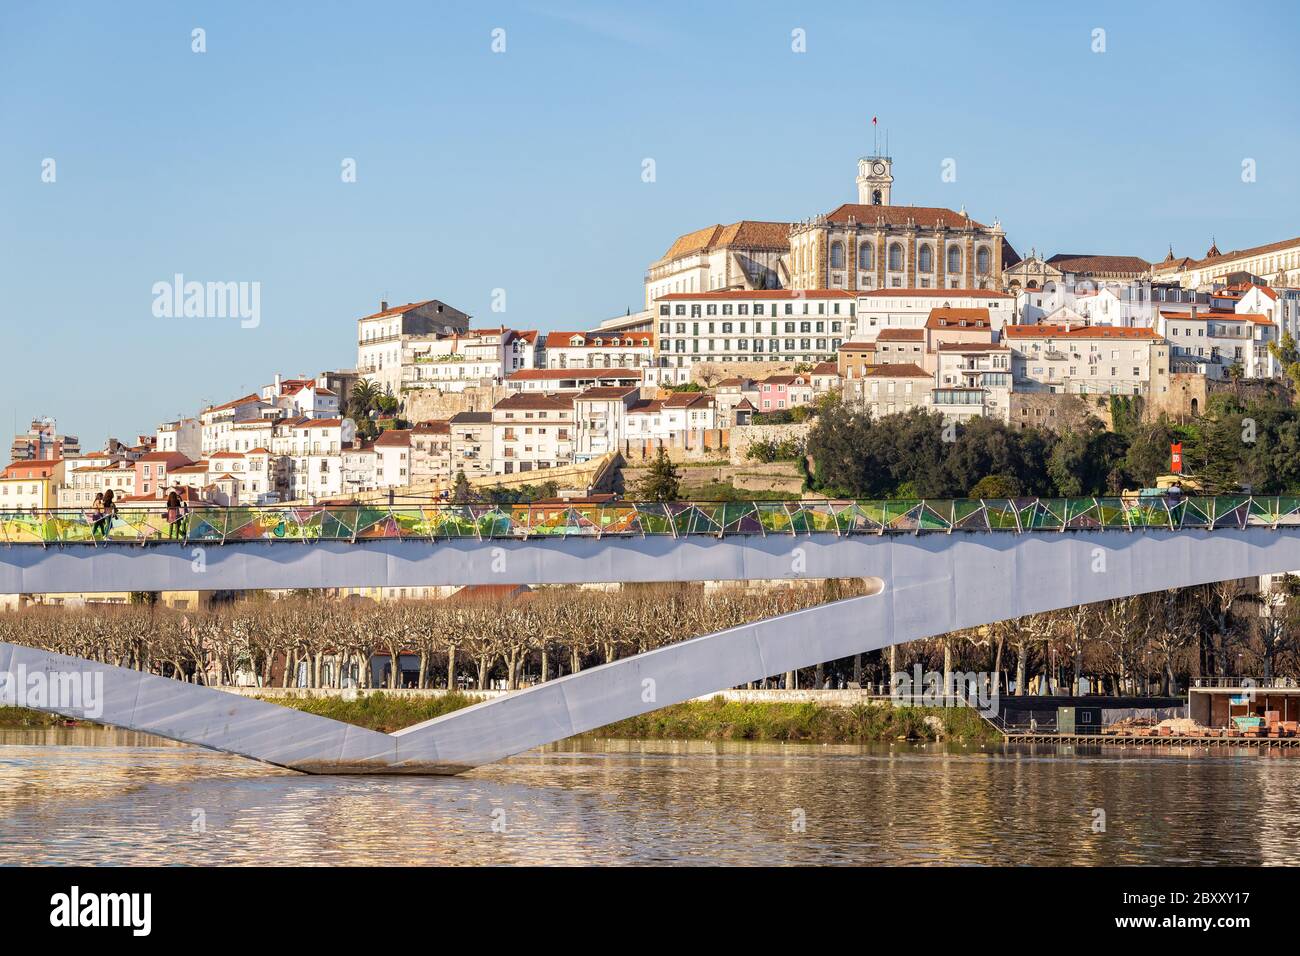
<point>110,512</point>
<point>96,515</point>
<point>173,515</point>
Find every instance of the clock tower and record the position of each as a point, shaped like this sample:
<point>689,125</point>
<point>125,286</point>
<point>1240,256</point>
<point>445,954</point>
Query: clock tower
<point>875,177</point>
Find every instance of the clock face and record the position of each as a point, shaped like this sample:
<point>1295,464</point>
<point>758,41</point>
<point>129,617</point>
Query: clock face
<point>879,168</point>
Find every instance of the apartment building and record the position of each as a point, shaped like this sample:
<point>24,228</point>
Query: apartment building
<point>32,484</point>
<point>431,453</point>
<point>384,335</point>
<point>474,358</point>
<point>471,444</point>
<point>780,325</point>
<point>972,379</point>
<point>1088,360</point>
<point>393,458</point>
<point>183,436</point>
<point>532,432</point>
<point>911,308</point>
<point>600,420</point>
<point>1212,342</point>
<point>600,350</point>
<point>891,389</point>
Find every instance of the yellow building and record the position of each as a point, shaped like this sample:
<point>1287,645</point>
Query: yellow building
<point>27,485</point>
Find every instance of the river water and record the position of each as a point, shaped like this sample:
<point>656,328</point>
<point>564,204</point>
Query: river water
<point>92,796</point>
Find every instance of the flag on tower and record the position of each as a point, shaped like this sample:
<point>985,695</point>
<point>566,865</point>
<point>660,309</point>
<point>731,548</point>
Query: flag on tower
<point>873,121</point>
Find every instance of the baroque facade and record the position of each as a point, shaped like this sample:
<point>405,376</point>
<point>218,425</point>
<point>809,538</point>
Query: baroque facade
<point>872,244</point>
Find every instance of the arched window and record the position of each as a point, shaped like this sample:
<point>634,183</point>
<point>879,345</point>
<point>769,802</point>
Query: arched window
<point>954,259</point>
<point>896,257</point>
<point>866,257</point>
<point>837,255</point>
<point>982,261</point>
<point>924,258</point>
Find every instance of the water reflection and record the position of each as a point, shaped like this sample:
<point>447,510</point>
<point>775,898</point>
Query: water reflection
<point>75,795</point>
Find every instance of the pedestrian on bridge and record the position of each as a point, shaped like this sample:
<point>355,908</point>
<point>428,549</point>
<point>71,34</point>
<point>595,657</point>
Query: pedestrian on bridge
<point>173,515</point>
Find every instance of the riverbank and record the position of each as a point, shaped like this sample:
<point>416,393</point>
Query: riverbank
<point>714,719</point>
<point>22,717</point>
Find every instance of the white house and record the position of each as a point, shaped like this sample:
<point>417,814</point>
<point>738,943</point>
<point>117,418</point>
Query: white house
<point>532,432</point>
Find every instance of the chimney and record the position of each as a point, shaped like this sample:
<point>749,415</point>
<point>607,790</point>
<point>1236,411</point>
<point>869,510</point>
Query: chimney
<point>383,305</point>
<point>1193,312</point>
<point>276,386</point>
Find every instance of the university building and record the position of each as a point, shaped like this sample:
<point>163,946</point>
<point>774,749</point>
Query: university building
<point>778,325</point>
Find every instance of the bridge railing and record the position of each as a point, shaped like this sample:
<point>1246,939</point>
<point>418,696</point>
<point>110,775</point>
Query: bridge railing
<point>362,522</point>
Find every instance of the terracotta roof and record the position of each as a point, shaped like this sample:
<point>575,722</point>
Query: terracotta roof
<point>522,401</point>
<point>225,454</point>
<point>563,340</point>
<point>432,428</point>
<point>1233,254</point>
<point>751,294</point>
<point>744,234</point>
<point>953,318</point>
<point>397,309</point>
<point>927,217</point>
<point>826,368</point>
<point>646,407</point>
<point>251,397</point>
<point>897,370</point>
<point>1219,315</point>
<point>23,469</point>
<point>857,346</point>
<point>937,293</point>
<point>393,437</point>
<point>1090,264</point>
<point>1084,332</point>
<point>605,392</point>
<point>687,399</point>
<point>901,335</point>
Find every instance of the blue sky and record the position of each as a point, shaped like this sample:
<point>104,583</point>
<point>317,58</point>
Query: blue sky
<point>522,170</point>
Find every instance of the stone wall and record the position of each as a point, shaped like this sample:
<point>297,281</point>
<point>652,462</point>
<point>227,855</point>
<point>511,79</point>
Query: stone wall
<point>1187,395</point>
<point>744,436</point>
<point>432,405</point>
<point>1056,412</point>
<point>702,444</point>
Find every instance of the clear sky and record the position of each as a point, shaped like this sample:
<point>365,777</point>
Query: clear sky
<point>522,170</point>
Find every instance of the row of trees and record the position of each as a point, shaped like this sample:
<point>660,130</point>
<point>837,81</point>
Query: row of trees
<point>1238,443</point>
<point>322,641</point>
<point>1140,644</point>
<point>1130,645</point>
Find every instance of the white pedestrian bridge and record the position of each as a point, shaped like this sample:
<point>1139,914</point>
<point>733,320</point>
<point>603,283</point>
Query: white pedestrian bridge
<point>932,567</point>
